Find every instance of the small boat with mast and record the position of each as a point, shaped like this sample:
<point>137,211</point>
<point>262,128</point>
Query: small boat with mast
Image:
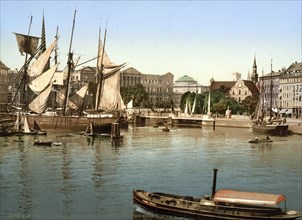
<point>222,204</point>
<point>270,126</point>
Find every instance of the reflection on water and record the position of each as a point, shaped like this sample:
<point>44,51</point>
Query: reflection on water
<point>93,178</point>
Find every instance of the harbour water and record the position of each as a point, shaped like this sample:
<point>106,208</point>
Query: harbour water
<point>93,178</point>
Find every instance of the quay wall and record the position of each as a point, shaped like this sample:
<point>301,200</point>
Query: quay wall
<point>238,121</point>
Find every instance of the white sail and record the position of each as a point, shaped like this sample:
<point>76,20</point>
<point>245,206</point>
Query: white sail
<point>194,105</point>
<point>110,98</point>
<point>17,122</point>
<point>39,84</point>
<point>130,104</point>
<point>209,105</point>
<point>36,68</point>
<point>186,108</point>
<point>38,105</point>
<point>25,125</point>
<point>76,101</point>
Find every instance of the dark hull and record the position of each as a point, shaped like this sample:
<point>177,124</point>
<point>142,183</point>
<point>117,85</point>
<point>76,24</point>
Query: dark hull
<point>259,141</point>
<point>43,143</point>
<point>280,129</point>
<point>187,209</point>
<point>72,123</point>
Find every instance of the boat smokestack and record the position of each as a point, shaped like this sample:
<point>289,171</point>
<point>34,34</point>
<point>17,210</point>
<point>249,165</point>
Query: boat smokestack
<point>214,181</point>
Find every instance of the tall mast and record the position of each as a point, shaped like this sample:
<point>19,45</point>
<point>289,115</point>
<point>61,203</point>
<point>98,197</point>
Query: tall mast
<point>271,91</point>
<point>100,78</point>
<point>25,76</point>
<point>56,49</point>
<point>69,62</point>
<point>97,78</point>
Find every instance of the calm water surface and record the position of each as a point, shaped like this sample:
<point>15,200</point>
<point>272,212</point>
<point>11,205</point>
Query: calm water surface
<point>89,178</point>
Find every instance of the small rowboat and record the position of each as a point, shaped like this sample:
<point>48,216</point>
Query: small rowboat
<point>257,141</point>
<point>43,142</point>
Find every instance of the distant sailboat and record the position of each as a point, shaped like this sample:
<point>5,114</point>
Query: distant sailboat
<point>260,125</point>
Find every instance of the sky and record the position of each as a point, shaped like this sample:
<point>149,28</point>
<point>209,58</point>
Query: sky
<point>201,39</point>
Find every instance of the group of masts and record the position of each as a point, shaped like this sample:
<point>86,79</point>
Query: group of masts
<point>25,78</point>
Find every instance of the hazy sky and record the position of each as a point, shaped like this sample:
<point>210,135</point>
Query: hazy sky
<point>202,39</point>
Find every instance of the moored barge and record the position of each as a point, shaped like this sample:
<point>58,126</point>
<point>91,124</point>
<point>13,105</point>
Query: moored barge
<point>223,204</point>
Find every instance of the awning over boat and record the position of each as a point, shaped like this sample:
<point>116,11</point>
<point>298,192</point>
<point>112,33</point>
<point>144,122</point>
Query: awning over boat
<point>248,198</point>
<point>283,111</point>
<point>289,111</point>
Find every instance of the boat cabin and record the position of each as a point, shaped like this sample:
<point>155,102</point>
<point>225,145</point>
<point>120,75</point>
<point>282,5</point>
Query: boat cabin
<point>248,198</point>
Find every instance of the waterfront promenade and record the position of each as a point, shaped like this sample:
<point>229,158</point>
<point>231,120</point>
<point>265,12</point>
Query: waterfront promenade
<point>236,121</point>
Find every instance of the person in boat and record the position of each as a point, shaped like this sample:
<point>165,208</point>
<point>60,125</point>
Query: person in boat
<point>267,138</point>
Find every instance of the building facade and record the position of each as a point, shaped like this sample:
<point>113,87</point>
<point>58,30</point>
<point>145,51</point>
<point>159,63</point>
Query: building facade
<point>290,91</point>
<point>186,84</point>
<point>237,90</point>
<point>242,89</point>
<point>3,87</point>
<point>158,87</point>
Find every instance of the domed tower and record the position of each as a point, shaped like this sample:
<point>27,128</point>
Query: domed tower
<point>254,76</point>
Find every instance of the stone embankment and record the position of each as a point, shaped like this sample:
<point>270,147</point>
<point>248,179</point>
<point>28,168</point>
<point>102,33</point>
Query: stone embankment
<point>295,125</point>
<point>238,121</point>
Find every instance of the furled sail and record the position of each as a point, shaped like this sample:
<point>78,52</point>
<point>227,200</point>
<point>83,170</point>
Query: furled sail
<point>39,84</point>
<point>27,44</point>
<point>36,68</point>
<point>38,105</point>
<point>110,98</point>
<point>76,101</point>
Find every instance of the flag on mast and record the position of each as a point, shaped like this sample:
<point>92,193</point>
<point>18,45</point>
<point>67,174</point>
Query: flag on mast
<point>27,44</point>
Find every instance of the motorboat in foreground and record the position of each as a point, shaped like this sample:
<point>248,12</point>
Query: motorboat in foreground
<point>223,204</point>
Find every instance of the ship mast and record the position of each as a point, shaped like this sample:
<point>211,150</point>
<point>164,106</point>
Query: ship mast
<point>69,62</point>
<point>271,92</point>
<point>25,76</point>
<point>100,75</point>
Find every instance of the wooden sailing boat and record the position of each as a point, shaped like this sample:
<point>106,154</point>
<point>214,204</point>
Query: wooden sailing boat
<point>261,125</point>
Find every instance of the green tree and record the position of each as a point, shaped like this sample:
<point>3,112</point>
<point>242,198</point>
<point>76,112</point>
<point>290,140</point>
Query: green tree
<point>191,97</point>
<point>137,93</point>
<point>249,104</point>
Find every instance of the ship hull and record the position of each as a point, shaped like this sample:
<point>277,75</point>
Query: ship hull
<point>189,207</point>
<point>280,129</point>
<point>75,123</point>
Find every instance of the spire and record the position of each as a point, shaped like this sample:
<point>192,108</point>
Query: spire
<point>43,42</point>
<point>248,75</point>
<point>254,76</point>
<point>255,61</point>
<point>43,39</point>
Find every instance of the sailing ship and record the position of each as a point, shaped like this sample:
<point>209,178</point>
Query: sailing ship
<point>263,125</point>
<point>41,83</point>
<point>223,204</point>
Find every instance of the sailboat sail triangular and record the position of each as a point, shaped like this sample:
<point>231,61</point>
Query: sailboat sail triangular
<point>38,105</point>
<point>76,101</point>
<point>37,67</point>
